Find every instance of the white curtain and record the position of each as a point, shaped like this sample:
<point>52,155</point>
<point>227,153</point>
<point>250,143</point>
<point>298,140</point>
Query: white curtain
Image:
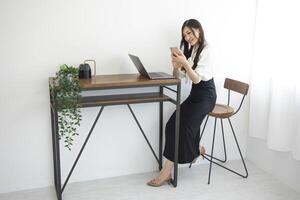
<point>275,79</point>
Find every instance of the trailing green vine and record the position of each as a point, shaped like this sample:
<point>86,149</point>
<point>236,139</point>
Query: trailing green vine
<point>65,94</point>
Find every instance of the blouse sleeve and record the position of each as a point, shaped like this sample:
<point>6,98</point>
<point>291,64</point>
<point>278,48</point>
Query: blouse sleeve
<point>204,66</point>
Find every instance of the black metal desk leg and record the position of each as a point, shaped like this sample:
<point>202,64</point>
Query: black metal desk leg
<point>53,145</point>
<point>161,108</point>
<point>177,126</point>
<point>59,194</point>
<point>56,154</point>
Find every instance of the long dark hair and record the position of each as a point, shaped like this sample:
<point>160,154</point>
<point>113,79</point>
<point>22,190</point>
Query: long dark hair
<point>184,45</point>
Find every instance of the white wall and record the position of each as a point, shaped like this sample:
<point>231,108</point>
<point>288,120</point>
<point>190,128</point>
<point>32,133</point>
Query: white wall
<point>36,36</point>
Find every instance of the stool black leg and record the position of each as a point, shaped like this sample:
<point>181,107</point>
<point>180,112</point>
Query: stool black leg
<point>212,151</point>
<point>204,127</point>
<point>244,176</point>
<point>225,154</point>
<point>208,158</point>
<point>224,147</point>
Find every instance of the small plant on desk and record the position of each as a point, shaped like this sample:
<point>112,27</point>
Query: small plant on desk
<point>65,94</point>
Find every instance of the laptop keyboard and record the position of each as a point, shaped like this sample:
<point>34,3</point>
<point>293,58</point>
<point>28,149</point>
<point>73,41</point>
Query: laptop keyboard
<point>154,74</point>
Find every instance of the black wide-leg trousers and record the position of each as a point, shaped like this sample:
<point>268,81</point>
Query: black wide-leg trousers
<point>193,110</point>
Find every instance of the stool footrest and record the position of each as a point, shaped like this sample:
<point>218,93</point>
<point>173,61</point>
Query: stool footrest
<point>244,176</point>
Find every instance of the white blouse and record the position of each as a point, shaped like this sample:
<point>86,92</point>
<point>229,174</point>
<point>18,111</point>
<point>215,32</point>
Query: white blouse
<point>204,67</point>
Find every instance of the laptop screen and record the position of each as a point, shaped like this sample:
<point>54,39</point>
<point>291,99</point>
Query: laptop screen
<point>139,65</point>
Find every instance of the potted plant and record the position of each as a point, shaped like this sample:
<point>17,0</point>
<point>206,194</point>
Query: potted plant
<point>65,94</point>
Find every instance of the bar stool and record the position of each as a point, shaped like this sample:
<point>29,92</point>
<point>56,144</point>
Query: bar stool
<point>222,111</point>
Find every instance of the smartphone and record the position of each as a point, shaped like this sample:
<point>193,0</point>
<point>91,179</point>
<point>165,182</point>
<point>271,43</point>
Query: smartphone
<point>175,50</point>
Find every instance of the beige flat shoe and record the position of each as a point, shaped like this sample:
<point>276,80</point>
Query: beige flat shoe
<point>202,151</point>
<point>156,183</point>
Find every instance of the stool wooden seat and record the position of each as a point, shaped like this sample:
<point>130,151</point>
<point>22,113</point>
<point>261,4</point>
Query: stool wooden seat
<point>221,111</point>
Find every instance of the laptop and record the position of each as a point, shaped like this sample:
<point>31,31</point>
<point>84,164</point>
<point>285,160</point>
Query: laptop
<point>153,75</point>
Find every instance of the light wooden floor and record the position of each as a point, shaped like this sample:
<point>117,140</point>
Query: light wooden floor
<point>192,185</point>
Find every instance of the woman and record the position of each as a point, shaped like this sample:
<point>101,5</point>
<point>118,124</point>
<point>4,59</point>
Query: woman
<point>194,63</point>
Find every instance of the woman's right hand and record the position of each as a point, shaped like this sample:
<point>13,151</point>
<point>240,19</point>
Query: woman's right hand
<point>176,65</point>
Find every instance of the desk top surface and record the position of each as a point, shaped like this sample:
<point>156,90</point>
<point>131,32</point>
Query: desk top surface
<point>122,81</point>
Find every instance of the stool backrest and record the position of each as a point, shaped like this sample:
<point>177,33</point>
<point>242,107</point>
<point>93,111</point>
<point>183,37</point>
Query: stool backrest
<point>236,86</point>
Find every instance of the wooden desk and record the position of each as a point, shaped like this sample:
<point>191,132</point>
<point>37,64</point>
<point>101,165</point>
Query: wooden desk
<point>102,82</point>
